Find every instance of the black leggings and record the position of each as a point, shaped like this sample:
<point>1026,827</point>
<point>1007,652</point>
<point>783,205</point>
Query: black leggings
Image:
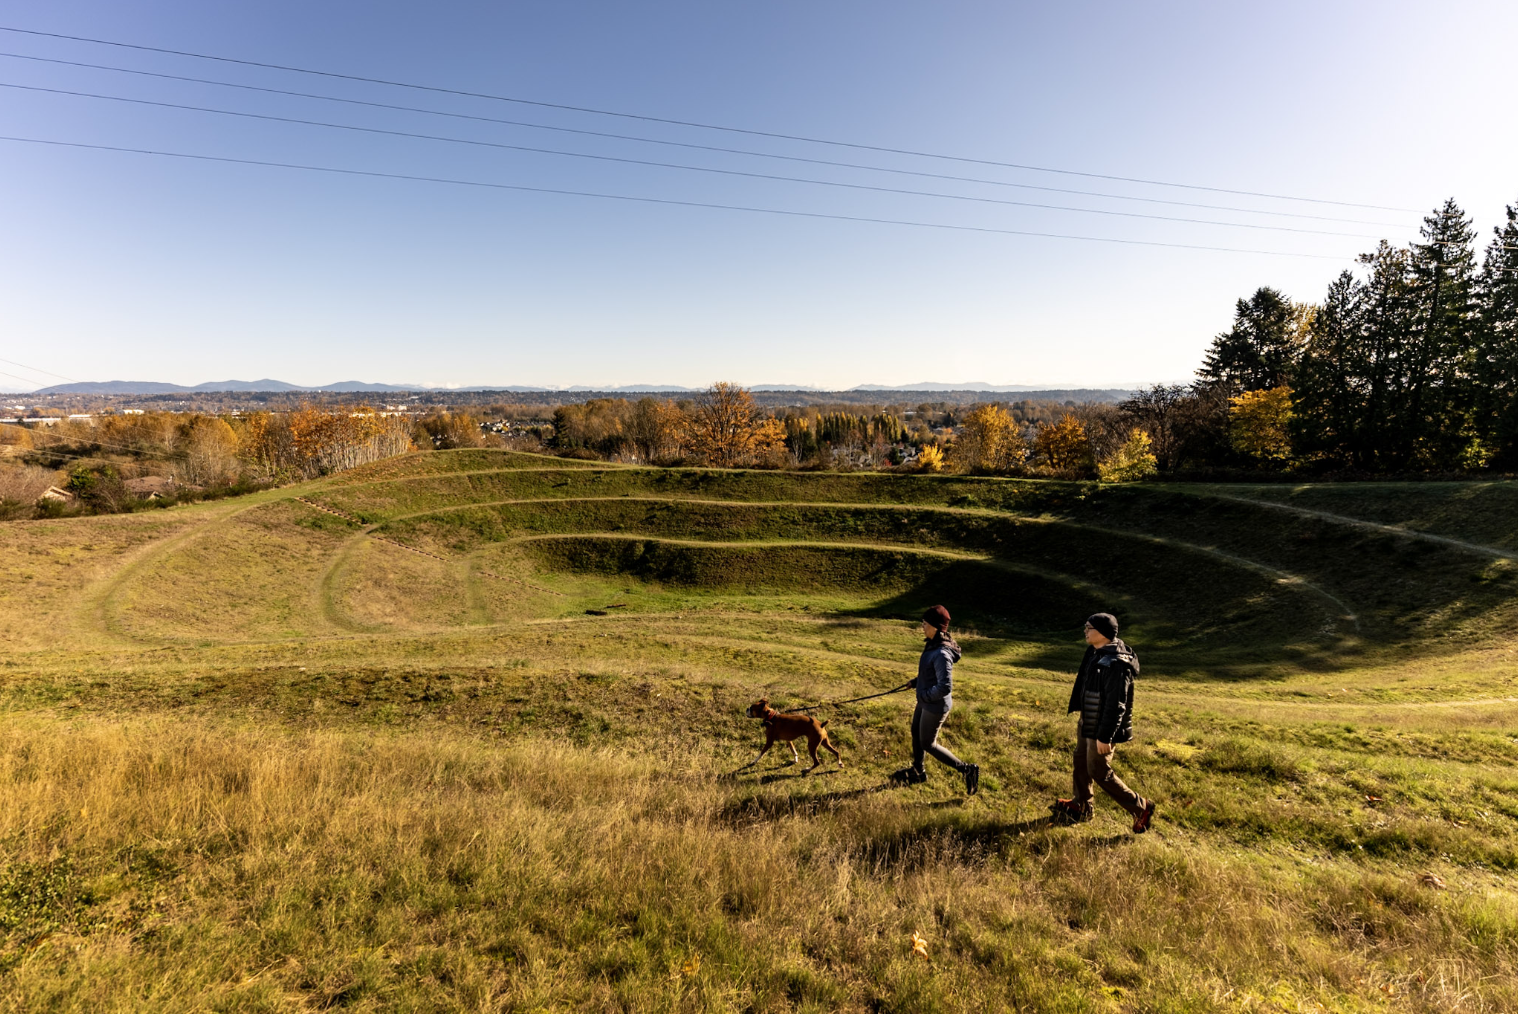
<point>925,726</point>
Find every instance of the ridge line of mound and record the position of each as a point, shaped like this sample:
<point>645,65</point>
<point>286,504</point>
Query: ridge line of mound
<point>1374,526</point>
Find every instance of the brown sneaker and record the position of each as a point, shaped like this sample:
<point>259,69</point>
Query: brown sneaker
<point>1068,811</point>
<point>1145,816</point>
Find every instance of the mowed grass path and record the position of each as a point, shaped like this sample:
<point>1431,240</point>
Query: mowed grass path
<point>468,743</point>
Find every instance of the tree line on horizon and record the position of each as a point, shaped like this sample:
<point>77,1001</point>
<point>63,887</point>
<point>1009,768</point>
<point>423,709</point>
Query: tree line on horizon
<point>100,466</point>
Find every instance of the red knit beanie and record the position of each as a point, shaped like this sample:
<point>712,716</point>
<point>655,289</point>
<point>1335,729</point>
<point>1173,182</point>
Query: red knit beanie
<point>938,616</point>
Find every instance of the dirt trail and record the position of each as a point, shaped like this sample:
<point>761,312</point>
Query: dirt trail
<point>1373,526</point>
<point>95,610</point>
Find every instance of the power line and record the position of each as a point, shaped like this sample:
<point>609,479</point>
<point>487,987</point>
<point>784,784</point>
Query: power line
<point>676,165</point>
<point>685,123</point>
<point>25,380</point>
<point>687,144</point>
<point>374,174</point>
<point>34,369</point>
<point>98,443</point>
<point>55,455</point>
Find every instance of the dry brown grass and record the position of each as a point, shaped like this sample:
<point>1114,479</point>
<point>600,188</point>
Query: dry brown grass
<point>252,759</point>
<point>217,865</point>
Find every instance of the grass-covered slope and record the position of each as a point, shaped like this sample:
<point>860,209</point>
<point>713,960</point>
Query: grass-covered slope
<point>459,731</point>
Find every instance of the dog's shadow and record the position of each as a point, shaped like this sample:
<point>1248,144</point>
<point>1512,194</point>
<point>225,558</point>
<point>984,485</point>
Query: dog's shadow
<point>785,776</point>
<point>779,773</point>
<point>773,807</point>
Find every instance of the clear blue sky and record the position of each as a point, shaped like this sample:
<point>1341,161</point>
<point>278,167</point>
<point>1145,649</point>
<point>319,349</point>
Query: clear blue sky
<point>126,266</point>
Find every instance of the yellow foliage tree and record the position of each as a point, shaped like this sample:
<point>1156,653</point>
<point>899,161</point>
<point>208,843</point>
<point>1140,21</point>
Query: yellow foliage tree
<point>930,459</point>
<point>210,451</point>
<point>1063,446</point>
<point>989,440</point>
<point>1258,424</point>
<point>1130,462</point>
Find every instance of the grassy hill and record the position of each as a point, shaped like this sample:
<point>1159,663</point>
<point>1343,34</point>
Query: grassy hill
<point>459,731</point>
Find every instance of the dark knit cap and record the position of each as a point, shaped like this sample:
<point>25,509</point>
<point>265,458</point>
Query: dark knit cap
<point>938,616</point>
<point>1104,624</point>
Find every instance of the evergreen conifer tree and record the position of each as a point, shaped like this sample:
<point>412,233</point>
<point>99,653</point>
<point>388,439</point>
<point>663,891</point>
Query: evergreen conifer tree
<point>1260,351</point>
<point>1329,396</point>
<point>1441,345</point>
<point>1382,353</point>
<point>1496,367</point>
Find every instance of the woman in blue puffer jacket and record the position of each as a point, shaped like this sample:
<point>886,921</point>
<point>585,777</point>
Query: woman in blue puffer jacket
<point>935,697</point>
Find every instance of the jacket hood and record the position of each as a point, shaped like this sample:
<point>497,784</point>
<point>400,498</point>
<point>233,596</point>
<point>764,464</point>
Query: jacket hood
<point>1120,650</point>
<point>948,644</point>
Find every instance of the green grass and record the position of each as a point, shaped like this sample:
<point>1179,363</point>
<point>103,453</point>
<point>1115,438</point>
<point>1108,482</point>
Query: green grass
<point>255,758</point>
<point>1485,513</point>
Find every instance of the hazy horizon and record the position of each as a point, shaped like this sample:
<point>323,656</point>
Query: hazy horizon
<point>650,387</point>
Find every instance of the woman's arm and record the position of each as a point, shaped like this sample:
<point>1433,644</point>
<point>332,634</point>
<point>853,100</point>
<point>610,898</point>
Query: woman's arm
<point>943,677</point>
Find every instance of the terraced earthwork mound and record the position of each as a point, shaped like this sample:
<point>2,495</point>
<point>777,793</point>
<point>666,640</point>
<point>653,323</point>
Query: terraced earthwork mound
<point>457,539</point>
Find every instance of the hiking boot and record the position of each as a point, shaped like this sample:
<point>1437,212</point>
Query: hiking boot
<point>909,776</point>
<point>1145,816</point>
<point>1068,811</point>
<point>972,779</point>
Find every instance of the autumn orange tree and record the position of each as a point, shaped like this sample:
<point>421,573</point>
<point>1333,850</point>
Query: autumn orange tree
<point>659,430</point>
<point>727,428</point>
<point>1063,446</point>
<point>449,430</point>
<point>311,442</point>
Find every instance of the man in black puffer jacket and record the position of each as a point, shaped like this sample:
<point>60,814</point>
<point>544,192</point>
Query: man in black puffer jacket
<point>1103,694</point>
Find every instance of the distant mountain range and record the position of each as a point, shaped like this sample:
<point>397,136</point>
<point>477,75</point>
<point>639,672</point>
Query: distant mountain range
<point>145,387</point>
<point>155,387</point>
<point>968,386</point>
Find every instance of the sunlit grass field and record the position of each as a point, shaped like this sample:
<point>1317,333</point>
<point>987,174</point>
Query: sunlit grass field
<point>463,731</point>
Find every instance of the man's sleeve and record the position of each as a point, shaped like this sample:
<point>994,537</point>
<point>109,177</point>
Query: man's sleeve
<point>1114,701</point>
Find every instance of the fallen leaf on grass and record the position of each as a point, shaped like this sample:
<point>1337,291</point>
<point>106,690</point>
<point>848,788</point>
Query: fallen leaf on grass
<point>919,945</point>
<point>692,966</point>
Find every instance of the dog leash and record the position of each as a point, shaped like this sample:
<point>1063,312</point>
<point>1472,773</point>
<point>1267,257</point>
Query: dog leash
<point>831,704</point>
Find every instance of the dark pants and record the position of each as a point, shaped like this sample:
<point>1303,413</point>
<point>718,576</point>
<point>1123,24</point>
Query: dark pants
<point>925,725</point>
<point>1092,769</point>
